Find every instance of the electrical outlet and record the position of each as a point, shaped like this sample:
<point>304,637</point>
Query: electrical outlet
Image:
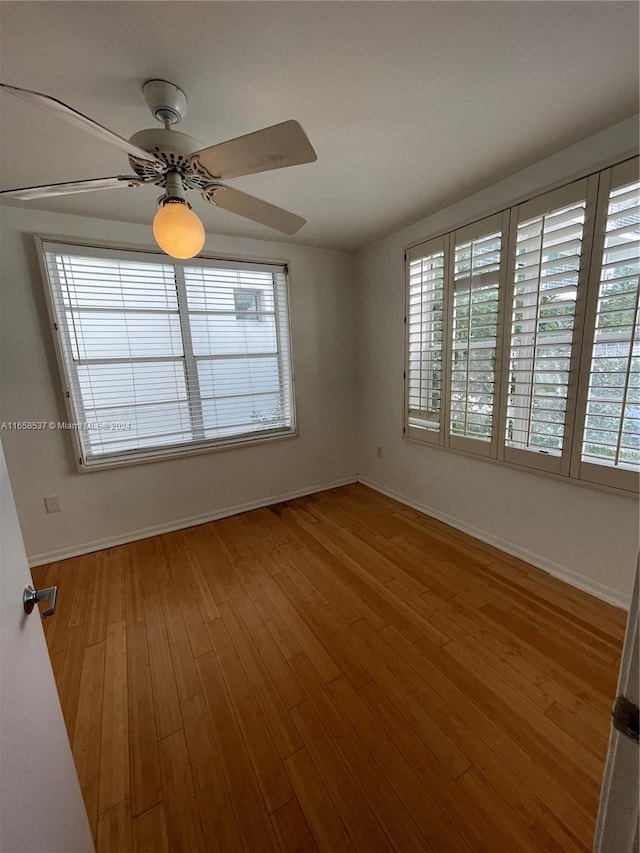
<point>379,451</point>
<point>52,504</point>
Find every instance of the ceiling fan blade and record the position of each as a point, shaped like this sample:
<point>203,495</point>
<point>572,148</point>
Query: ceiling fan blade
<point>69,187</point>
<point>275,147</point>
<point>253,208</point>
<point>82,121</point>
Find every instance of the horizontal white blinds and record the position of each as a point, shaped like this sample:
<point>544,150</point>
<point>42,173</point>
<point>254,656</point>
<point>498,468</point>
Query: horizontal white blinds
<point>235,318</point>
<point>476,283</point>
<point>159,354</point>
<point>612,423</point>
<point>425,336</point>
<point>548,252</point>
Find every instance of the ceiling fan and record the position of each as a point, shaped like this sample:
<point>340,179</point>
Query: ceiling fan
<point>168,158</point>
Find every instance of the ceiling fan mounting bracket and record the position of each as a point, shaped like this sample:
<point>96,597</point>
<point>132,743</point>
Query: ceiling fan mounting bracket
<point>210,190</point>
<point>199,170</point>
<point>167,102</point>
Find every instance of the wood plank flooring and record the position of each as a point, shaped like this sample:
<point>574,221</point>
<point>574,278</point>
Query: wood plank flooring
<point>335,673</point>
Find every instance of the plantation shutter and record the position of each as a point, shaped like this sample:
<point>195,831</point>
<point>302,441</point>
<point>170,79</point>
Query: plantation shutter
<point>425,328</point>
<point>548,269</point>
<point>477,276</point>
<point>161,357</point>
<point>609,443</point>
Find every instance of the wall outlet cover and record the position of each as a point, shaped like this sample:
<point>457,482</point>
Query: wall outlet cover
<point>52,503</point>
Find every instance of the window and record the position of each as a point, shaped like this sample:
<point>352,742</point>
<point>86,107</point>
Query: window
<point>426,312</point>
<point>523,333</point>
<point>161,357</point>
<point>609,443</point>
<point>548,259</point>
<point>474,338</point>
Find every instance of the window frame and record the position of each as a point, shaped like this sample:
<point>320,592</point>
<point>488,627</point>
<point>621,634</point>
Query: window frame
<point>496,222</point>
<point>586,188</point>
<point>68,383</point>
<point>589,472</point>
<point>567,466</point>
<point>424,250</point>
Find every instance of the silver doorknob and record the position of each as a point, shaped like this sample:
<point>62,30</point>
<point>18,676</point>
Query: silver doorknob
<point>31,597</point>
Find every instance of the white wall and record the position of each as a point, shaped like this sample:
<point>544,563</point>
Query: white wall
<point>112,505</point>
<point>585,535</point>
<point>589,537</point>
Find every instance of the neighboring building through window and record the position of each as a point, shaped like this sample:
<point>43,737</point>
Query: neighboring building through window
<point>158,357</point>
<point>247,303</point>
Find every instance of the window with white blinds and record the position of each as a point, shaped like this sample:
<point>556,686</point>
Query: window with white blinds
<point>611,431</point>
<point>474,336</point>
<point>162,357</point>
<point>547,260</point>
<point>425,337</point>
<point>523,333</point>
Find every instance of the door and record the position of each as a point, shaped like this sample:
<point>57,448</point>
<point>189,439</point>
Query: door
<point>41,807</point>
<point>617,828</point>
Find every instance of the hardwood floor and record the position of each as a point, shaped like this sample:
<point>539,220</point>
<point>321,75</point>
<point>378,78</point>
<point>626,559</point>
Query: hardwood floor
<point>334,673</point>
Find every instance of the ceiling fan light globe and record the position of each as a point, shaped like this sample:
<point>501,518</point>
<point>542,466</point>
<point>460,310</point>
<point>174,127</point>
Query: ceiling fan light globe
<point>178,230</point>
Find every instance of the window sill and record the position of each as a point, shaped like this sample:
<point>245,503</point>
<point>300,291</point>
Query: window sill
<point>162,455</point>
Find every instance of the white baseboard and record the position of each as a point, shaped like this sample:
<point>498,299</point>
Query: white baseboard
<point>593,587</point>
<point>600,590</point>
<point>179,524</point>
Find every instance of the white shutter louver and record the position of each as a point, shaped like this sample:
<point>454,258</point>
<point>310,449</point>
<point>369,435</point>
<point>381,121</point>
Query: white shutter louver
<point>474,336</point>
<point>160,356</point>
<point>522,333</point>
<point>548,259</point>
<point>425,314</point>
<point>611,435</point>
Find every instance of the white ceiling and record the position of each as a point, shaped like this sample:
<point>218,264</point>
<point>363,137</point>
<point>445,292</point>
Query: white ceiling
<point>410,105</point>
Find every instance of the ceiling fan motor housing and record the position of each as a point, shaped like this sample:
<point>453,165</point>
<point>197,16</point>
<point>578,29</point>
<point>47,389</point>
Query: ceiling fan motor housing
<point>167,102</point>
<point>173,148</point>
